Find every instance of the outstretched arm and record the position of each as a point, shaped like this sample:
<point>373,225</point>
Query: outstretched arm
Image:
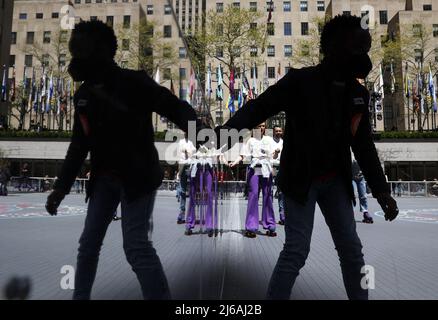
<point>166,104</point>
<point>269,103</point>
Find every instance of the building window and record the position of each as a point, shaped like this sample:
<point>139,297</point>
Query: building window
<point>46,36</point>
<point>436,54</point>
<point>39,16</point>
<point>271,29</point>
<point>271,72</point>
<point>14,38</point>
<point>87,1</point>
<point>254,72</point>
<point>320,5</point>
<point>383,15</point>
<point>220,7</point>
<point>182,73</point>
<point>167,74</point>
<point>12,60</point>
<point>417,29</point>
<point>182,52</point>
<point>287,69</point>
<point>346,13</point>
<point>77,1</point>
<point>304,28</point>
<point>45,60</point>
<point>219,52</point>
<point>287,29</point>
<point>288,50</point>
<point>271,51</point>
<point>23,16</point>
<point>63,36</point>
<point>427,7</point>
<point>435,30</point>
<point>93,18</point>
<point>125,44</point>
<point>236,5</point>
<point>286,6</point>
<point>253,6</point>
<point>150,9</point>
<point>253,25</point>
<point>418,55</point>
<point>253,51</point>
<point>110,21</point>
<point>55,15</point>
<point>30,37</point>
<point>126,22</point>
<point>303,6</point>
<point>167,31</point>
<point>28,60</point>
<point>62,59</point>
<point>167,9</point>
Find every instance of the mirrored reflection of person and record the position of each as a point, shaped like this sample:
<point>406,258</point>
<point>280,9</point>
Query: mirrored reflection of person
<point>326,115</point>
<point>259,149</point>
<point>186,150</point>
<point>113,122</point>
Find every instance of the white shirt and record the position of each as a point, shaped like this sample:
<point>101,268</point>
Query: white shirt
<point>260,152</point>
<point>277,145</point>
<point>183,146</point>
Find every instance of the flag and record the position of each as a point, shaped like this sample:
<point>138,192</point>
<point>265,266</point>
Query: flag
<point>230,103</point>
<point>240,99</point>
<point>157,75</point>
<point>192,85</point>
<point>43,93</point>
<point>3,91</point>
<point>13,89</point>
<point>432,90</point>
<point>232,83</point>
<point>420,92</point>
<point>378,85</point>
<point>415,100</point>
<point>247,88</point>
<point>270,8</point>
<point>407,81</point>
<point>254,81</point>
<point>265,79</point>
<point>392,79</point>
<point>219,90</point>
<point>209,91</point>
<point>49,94</point>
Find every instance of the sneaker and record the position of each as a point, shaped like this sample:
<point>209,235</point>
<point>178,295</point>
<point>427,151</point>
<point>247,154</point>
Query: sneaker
<point>281,222</point>
<point>270,233</point>
<point>367,218</point>
<point>210,233</point>
<point>250,234</point>
<point>188,232</point>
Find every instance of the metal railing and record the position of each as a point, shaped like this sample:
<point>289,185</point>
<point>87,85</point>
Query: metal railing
<point>231,188</point>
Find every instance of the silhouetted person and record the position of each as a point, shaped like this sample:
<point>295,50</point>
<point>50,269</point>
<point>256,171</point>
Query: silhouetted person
<point>113,121</point>
<point>326,114</point>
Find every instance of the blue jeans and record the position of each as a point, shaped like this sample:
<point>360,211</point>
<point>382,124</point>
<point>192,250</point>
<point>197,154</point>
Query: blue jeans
<point>335,203</point>
<point>362,192</point>
<point>136,227</point>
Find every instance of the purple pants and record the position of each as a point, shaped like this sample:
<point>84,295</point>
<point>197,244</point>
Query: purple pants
<point>201,193</point>
<point>252,212</point>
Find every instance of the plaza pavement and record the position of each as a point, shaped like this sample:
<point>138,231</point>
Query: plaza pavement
<point>404,253</point>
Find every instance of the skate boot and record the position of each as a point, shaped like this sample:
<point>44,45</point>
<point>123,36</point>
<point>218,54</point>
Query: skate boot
<point>367,218</point>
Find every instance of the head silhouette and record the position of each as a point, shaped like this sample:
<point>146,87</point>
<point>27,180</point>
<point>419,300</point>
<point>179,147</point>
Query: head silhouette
<point>345,46</point>
<point>93,46</point>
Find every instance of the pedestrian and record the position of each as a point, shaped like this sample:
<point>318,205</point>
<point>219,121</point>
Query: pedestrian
<point>360,185</point>
<point>326,114</point>
<point>113,122</point>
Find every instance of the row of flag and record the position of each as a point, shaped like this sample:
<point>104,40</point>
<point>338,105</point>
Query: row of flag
<point>45,94</point>
<point>422,94</point>
<point>422,91</point>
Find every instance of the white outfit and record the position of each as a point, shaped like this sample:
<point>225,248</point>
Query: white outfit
<point>183,146</point>
<point>277,145</point>
<point>260,152</point>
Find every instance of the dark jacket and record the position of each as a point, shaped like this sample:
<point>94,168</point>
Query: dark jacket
<point>113,121</point>
<point>305,95</point>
